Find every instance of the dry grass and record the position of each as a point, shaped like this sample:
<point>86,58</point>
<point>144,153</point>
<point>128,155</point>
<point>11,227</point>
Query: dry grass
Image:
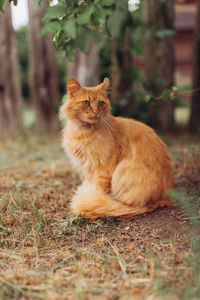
<point>46,253</point>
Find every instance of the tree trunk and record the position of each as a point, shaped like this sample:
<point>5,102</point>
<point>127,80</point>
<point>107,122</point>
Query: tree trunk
<point>124,63</point>
<point>159,59</point>
<point>195,109</point>
<point>43,74</point>
<point>85,68</point>
<point>10,97</point>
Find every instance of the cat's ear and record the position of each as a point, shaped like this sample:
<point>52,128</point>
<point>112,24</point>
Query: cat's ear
<point>104,85</point>
<point>72,86</point>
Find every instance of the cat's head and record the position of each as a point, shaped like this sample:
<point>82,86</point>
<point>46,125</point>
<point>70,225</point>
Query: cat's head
<point>86,105</point>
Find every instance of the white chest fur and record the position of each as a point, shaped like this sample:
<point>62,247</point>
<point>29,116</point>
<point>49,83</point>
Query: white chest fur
<point>89,152</point>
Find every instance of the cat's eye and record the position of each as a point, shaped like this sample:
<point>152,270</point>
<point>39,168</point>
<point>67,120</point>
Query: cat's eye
<point>86,103</point>
<point>101,103</point>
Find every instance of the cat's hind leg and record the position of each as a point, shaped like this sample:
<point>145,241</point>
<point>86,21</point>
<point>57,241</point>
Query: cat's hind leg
<point>165,201</point>
<point>150,208</point>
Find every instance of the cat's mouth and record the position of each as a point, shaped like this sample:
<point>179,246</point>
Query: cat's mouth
<point>86,125</point>
<point>88,122</point>
<point>92,119</point>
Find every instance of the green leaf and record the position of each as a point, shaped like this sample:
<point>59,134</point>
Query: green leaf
<point>103,13</point>
<point>114,24</point>
<point>58,37</point>
<point>69,27</point>
<point>162,33</point>
<point>69,48</point>
<point>54,12</point>
<point>85,17</point>
<point>117,19</point>
<point>150,99</point>
<point>165,95</point>
<point>135,72</point>
<point>64,98</point>
<point>36,4</point>
<point>83,39</point>
<point>70,54</point>
<point>1,5</point>
<point>107,2</point>
<point>52,26</point>
<point>40,2</point>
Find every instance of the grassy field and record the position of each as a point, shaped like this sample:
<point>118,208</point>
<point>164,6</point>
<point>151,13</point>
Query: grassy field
<point>46,253</point>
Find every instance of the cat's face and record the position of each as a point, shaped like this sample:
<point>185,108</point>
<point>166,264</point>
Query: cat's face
<point>87,105</point>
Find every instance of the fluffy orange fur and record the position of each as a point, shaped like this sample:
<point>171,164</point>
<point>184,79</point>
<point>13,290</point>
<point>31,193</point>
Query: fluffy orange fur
<point>125,165</point>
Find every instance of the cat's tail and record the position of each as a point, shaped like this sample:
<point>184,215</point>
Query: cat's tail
<point>92,203</point>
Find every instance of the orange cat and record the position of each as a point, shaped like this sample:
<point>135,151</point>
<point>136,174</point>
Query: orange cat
<point>125,165</point>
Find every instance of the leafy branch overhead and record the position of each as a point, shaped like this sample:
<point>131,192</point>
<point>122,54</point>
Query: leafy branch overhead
<point>169,94</point>
<point>75,23</point>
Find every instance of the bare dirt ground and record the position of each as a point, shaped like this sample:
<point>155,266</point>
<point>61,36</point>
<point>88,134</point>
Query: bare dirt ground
<point>46,253</point>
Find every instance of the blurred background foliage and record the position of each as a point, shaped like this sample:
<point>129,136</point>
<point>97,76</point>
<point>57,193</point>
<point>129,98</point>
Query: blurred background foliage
<point>22,50</point>
<point>134,43</point>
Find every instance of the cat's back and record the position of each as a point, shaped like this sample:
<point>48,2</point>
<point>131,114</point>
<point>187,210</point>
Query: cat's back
<point>144,141</point>
<point>134,129</point>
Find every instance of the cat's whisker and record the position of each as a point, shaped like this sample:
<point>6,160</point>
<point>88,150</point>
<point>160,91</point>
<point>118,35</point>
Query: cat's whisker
<point>109,125</point>
<point>106,123</point>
